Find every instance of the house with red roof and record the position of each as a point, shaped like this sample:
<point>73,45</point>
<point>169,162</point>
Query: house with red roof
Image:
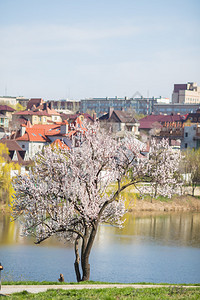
<point>34,137</point>
<point>156,122</point>
<point>38,116</point>
<point>32,140</point>
<point>84,117</point>
<point>34,102</point>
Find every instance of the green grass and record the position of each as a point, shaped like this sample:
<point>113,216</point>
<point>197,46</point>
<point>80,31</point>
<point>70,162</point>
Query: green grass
<point>114,293</point>
<point>89,282</point>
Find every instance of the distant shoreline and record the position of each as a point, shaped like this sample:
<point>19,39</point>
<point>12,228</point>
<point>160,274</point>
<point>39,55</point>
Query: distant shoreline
<point>184,203</point>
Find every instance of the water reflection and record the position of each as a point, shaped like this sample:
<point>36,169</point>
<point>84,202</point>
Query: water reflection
<point>150,247</point>
<point>168,229</point>
<point>11,234</point>
<point>181,229</point>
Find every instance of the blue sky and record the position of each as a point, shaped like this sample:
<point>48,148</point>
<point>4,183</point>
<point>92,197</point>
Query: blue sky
<point>58,49</point>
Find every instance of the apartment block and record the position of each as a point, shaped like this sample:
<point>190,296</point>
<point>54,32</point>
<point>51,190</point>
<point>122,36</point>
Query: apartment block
<point>101,105</point>
<point>188,93</point>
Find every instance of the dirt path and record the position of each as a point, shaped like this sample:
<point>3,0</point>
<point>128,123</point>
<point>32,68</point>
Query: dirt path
<point>9,289</point>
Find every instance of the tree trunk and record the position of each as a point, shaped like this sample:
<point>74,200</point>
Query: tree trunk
<point>77,260</point>
<point>86,269</point>
<point>193,188</point>
<point>87,244</point>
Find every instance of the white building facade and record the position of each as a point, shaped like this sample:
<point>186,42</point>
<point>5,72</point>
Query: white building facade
<point>188,93</point>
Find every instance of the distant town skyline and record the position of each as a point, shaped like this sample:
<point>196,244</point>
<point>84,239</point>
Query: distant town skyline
<point>84,48</point>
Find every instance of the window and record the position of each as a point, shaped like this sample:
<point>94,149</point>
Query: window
<point>23,146</point>
<point>186,145</point>
<point>186,134</point>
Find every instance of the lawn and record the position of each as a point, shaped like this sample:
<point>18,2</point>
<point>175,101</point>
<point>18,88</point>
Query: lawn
<point>175,292</point>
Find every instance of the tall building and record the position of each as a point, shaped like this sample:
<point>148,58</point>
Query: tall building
<point>186,93</point>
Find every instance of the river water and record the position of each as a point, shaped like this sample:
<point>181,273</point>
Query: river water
<point>150,248</point>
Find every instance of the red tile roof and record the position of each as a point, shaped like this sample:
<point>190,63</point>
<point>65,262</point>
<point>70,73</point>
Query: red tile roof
<point>34,101</point>
<point>162,118</point>
<point>154,120</point>
<point>40,132</point>
<point>49,129</point>
<point>52,111</point>
<point>6,108</point>
<point>34,135</point>
<point>73,117</point>
<point>30,112</point>
<point>149,124</point>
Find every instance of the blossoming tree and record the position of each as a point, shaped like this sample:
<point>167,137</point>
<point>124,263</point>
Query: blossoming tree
<point>68,192</point>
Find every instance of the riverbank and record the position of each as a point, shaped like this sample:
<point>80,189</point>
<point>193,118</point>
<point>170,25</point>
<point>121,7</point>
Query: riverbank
<point>175,204</point>
<point>185,203</point>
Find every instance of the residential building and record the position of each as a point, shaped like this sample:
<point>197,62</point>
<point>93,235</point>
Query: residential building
<point>7,111</point>
<point>197,136</point>
<point>4,121</point>
<point>33,138</point>
<point>83,116</point>
<point>34,103</point>
<point>186,93</point>
<point>38,116</point>
<point>153,124</point>
<point>119,122</point>
<point>184,129</point>
<point>65,106</point>
<point>16,153</point>
<point>173,131</point>
<point>101,105</point>
<point>5,115</point>
<point>190,132</point>
<point>8,100</point>
<point>2,132</point>
<point>32,141</point>
<point>175,108</point>
<point>22,101</point>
